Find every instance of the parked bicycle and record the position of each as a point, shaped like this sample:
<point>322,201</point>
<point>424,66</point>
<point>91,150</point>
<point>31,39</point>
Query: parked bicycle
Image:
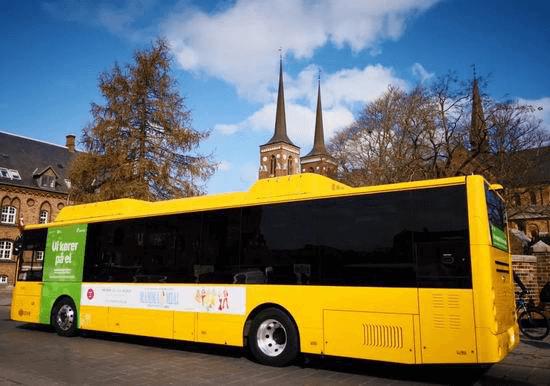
<point>531,319</point>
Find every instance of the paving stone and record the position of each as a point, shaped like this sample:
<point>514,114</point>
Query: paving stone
<point>35,355</point>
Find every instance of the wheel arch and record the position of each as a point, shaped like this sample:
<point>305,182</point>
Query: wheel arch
<point>259,308</point>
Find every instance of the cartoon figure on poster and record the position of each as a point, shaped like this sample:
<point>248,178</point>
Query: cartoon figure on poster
<point>208,299</point>
<point>223,297</point>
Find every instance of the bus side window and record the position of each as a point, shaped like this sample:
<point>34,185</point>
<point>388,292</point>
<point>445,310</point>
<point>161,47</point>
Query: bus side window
<point>220,246</point>
<point>441,237</point>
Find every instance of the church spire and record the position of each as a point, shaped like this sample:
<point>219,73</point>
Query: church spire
<point>279,157</point>
<point>280,119</point>
<point>478,129</point>
<point>319,139</point>
<point>318,160</point>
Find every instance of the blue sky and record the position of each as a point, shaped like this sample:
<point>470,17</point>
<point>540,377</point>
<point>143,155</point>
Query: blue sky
<point>226,57</point>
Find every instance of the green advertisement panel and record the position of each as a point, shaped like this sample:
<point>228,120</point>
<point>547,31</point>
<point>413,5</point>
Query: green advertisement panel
<point>63,264</point>
<point>499,238</point>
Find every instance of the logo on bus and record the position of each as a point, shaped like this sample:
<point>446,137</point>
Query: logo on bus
<point>90,294</point>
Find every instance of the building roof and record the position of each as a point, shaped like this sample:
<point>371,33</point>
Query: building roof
<point>23,161</point>
<point>539,171</point>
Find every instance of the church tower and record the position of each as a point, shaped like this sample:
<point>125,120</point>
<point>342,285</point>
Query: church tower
<point>318,160</point>
<point>479,140</point>
<point>279,156</point>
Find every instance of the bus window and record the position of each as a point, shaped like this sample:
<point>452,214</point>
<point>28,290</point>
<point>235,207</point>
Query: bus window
<point>441,237</point>
<point>280,241</point>
<point>220,241</point>
<point>366,240</point>
<point>497,219</point>
<point>31,259</point>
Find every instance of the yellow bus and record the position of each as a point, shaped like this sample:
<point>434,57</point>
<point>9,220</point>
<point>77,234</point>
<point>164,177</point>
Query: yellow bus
<point>415,272</point>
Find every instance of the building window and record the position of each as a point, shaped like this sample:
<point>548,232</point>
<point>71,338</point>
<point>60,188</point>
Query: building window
<point>5,250</point>
<point>289,165</point>
<point>3,279</point>
<point>533,198</point>
<point>39,255</point>
<point>517,199</point>
<point>12,174</point>
<point>47,181</point>
<point>273,165</point>
<point>43,218</point>
<point>8,215</point>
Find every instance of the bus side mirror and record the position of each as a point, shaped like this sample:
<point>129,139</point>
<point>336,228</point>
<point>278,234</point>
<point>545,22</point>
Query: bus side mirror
<point>496,187</point>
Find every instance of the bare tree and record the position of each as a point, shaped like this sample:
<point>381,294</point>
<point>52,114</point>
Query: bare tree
<point>435,130</point>
<point>141,142</point>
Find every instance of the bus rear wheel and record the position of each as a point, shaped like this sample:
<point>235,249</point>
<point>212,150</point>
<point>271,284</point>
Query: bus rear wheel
<point>273,338</point>
<point>64,317</point>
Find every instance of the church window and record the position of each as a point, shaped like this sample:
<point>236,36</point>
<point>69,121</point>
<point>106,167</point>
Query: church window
<point>289,165</point>
<point>273,165</point>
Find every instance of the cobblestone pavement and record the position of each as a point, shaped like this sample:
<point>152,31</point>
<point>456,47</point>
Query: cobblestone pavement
<point>35,355</point>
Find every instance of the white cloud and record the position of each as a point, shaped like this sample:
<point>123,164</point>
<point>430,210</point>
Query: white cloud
<point>420,72</point>
<point>239,44</point>
<point>341,93</point>
<point>224,166</point>
<point>541,110</point>
<point>227,129</point>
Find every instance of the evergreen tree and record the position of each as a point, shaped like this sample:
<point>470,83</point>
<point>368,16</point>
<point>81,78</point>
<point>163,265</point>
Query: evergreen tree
<point>141,143</point>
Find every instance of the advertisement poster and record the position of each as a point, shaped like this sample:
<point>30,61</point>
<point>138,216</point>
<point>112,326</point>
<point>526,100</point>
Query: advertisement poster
<point>64,255</point>
<point>211,299</point>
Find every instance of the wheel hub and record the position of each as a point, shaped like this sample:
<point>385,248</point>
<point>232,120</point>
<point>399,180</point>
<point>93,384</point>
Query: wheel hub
<point>271,337</point>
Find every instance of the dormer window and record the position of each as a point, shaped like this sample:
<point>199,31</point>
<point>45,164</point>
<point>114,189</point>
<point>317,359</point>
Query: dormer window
<point>47,181</point>
<point>47,178</point>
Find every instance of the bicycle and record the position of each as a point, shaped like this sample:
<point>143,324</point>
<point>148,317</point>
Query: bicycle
<point>531,319</point>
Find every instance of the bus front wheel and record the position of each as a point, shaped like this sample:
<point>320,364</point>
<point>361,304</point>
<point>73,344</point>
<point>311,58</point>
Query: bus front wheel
<point>273,338</point>
<point>64,317</point>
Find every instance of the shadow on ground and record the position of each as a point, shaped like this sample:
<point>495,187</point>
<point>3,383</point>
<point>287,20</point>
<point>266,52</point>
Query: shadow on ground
<point>386,372</point>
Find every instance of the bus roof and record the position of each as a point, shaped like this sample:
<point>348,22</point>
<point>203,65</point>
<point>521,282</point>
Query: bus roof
<point>296,187</point>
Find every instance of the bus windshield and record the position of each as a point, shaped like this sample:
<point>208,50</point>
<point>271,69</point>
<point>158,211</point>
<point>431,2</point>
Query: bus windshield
<point>496,211</point>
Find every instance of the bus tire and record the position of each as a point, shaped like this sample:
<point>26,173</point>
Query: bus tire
<point>273,338</point>
<point>64,317</point>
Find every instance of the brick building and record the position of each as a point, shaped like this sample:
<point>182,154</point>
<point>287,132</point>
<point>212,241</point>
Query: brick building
<point>33,189</point>
<point>529,218</point>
